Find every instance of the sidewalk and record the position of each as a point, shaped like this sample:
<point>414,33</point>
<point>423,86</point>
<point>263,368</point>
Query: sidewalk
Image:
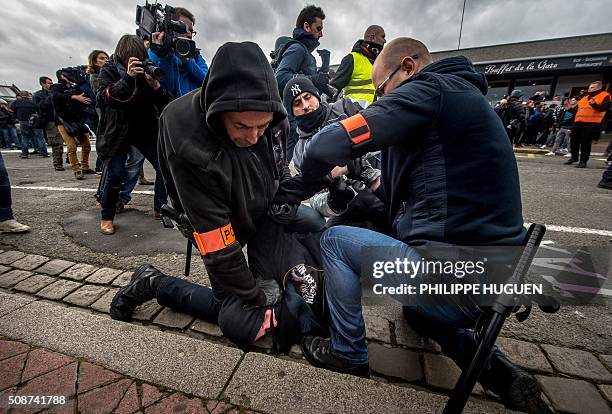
<point>52,306</point>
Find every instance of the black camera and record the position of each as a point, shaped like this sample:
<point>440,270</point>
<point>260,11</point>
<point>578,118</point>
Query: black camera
<point>152,70</point>
<point>152,18</point>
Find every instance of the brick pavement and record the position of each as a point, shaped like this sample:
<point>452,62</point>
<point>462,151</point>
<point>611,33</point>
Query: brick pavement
<point>397,353</point>
<point>82,387</point>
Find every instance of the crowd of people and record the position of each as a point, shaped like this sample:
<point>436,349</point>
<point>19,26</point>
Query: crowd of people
<point>375,154</point>
<point>552,126</point>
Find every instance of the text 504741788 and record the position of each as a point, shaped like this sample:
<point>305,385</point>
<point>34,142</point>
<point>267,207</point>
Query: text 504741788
<point>36,400</point>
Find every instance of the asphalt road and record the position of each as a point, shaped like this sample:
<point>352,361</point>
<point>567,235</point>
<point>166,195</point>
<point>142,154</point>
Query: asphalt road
<point>552,193</point>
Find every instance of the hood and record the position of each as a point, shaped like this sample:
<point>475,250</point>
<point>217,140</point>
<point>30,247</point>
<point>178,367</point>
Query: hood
<point>240,79</point>
<point>306,38</point>
<point>367,49</point>
<point>462,67</point>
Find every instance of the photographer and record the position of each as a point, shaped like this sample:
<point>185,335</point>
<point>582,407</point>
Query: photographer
<point>70,104</point>
<point>183,74</point>
<point>130,101</point>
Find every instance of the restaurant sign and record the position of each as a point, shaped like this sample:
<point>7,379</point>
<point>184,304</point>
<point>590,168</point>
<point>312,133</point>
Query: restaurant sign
<point>549,64</point>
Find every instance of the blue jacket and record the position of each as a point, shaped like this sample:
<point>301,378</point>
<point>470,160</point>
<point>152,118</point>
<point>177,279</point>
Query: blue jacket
<point>181,78</point>
<point>292,62</point>
<point>448,170</point>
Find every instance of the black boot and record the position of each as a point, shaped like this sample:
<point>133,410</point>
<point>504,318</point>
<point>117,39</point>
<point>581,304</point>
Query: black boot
<point>517,389</point>
<point>570,161</point>
<point>581,165</point>
<point>317,351</point>
<point>141,289</point>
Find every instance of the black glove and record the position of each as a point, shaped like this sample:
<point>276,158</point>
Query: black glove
<point>355,168</point>
<point>160,50</point>
<point>339,195</point>
<point>283,213</point>
<point>320,81</point>
<point>271,289</point>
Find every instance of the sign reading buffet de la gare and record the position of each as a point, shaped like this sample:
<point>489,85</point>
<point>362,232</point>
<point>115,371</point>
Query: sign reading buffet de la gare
<point>546,64</point>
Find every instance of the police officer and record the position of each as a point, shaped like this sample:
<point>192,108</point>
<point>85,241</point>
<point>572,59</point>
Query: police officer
<point>222,155</point>
<point>428,117</point>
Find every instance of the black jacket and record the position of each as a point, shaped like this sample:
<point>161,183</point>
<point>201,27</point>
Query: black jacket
<point>224,189</point>
<point>66,108</point>
<point>6,118</point>
<point>129,109</point>
<point>43,99</point>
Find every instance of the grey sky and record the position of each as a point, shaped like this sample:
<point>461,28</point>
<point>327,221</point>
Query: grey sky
<point>37,37</point>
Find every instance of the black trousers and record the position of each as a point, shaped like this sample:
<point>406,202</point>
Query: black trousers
<point>581,140</point>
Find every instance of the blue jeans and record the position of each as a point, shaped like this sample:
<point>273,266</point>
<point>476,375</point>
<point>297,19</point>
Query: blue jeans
<point>32,137</point>
<point>135,161</point>
<point>115,174</point>
<point>341,250</point>
<point>6,212</point>
<point>9,133</point>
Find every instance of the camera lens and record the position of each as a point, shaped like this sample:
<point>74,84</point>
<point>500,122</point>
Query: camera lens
<point>182,47</point>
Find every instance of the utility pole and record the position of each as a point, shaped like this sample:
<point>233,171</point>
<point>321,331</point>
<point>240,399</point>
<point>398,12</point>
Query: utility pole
<point>461,27</point>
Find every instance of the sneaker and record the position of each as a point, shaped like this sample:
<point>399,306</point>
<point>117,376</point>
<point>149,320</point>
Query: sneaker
<point>58,168</point>
<point>580,165</point>
<point>543,147</point>
<point>141,289</point>
<point>79,175</point>
<point>550,153</point>
<point>564,150</point>
<point>318,352</point>
<point>25,157</point>
<point>88,171</point>
<point>13,226</point>
<point>44,155</point>
<point>567,155</point>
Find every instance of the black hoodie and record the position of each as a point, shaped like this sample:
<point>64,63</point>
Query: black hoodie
<point>222,187</point>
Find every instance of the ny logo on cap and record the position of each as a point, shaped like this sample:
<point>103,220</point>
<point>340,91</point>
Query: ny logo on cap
<point>295,90</point>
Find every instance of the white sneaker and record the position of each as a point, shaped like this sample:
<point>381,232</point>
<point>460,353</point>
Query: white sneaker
<point>543,147</point>
<point>567,156</point>
<point>550,153</point>
<point>564,150</point>
<point>13,226</point>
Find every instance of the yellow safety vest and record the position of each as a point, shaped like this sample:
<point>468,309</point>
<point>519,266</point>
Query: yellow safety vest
<point>360,88</point>
<point>586,113</point>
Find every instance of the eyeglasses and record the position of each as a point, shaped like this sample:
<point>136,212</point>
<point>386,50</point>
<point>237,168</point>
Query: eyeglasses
<point>380,90</point>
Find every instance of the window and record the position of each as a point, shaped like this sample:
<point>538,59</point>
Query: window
<point>497,90</point>
<point>530,86</point>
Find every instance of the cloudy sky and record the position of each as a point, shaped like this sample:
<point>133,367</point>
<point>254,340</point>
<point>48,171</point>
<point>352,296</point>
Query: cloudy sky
<point>37,37</point>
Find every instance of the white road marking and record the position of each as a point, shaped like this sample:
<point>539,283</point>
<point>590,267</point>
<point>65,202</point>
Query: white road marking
<point>550,227</point>
<point>69,189</point>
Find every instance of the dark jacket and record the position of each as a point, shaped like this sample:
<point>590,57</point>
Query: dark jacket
<point>6,118</point>
<point>221,186</point>
<point>345,70</point>
<point>292,62</point>
<point>129,110</point>
<point>23,109</point>
<point>566,117</point>
<point>65,107</point>
<point>448,170</point>
<point>43,99</point>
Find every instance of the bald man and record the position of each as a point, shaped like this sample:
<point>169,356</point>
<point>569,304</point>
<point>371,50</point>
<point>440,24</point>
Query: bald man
<point>354,75</point>
<point>449,178</point>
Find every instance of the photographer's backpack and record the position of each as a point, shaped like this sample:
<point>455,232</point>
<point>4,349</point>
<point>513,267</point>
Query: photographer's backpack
<point>280,47</point>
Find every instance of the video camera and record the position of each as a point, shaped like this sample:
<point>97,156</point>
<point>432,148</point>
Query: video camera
<point>152,18</point>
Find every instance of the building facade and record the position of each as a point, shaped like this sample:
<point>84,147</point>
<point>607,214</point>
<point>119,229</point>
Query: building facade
<point>562,67</point>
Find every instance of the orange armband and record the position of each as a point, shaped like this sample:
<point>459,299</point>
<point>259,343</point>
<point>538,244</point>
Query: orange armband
<point>215,240</point>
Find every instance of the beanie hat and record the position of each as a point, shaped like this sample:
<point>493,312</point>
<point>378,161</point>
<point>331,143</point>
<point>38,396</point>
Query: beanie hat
<point>294,88</point>
<point>517,93</point>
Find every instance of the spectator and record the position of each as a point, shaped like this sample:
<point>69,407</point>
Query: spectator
<point>513,117</point>
<point>297,59</point>
<point>130,102</point>
<point>354,75</point>
<point>535,125</point>
<point>46,113</point>
<point>7,125</point>
<point>24,108</point>
<point>96,59</point>
<point>70,105</point>
<point>565,120</point>
<point>8,224</point>
<point>183,74</point>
